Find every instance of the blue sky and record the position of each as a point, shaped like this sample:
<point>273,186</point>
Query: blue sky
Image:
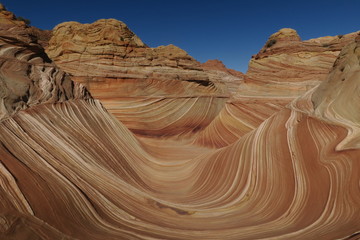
<point>228,30</point>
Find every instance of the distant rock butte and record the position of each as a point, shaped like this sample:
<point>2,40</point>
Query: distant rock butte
<point>285,58</point>
<point>219,66</point>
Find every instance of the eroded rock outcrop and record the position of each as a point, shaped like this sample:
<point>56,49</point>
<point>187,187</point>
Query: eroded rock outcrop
<point>27,75</point>
<point>138,84</point>
<point>71,170</point>
<point>107,51</point>
<point>286,59</point>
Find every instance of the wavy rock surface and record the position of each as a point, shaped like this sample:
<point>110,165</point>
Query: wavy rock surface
<point>283,180</point>
<point>138,84</point>
<point>71,170</point>
<point>287,67</point>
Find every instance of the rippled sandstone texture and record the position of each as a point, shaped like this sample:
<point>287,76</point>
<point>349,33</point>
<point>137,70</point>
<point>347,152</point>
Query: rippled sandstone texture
<point>71,170</point>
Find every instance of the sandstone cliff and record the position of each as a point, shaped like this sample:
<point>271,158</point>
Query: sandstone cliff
<point>107,51</point>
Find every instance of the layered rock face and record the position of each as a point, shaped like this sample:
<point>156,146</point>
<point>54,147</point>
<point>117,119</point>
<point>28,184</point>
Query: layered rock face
<point>70,170</point>
<point>138,84</point>
<point>108,50</point>
<point>286,60</point>
<point>336,98</point>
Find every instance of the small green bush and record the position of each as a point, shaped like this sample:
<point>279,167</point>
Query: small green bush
<point>2,7</point>
<point>270,43</point>
<point>27,21</point>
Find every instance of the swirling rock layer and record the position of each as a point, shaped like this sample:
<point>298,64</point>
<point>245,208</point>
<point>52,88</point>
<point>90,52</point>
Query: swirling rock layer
<point>98,181</point>
<point>71,170</point>
<point>218,73</point>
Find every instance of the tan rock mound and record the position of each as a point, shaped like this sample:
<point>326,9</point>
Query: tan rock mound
<point>287,59</point>
<point>336,99</point>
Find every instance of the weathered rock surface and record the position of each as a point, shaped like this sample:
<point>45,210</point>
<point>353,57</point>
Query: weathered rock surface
<point>336,99</point>
<point>70,170</point>
<point>138,84</point>
<point>287,59</point>
<point>107,51</point>
<point>27,75</point>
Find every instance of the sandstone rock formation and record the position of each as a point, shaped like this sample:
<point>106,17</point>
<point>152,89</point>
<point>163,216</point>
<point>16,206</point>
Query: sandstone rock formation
<point>284,69</point>
<point>9,22</point>
<point>287,59</point>
<point>27,75</point>
<point>138,84</point>
<point>70,170</point>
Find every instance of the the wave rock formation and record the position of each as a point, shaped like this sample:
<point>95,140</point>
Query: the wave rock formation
<point>71,170</point>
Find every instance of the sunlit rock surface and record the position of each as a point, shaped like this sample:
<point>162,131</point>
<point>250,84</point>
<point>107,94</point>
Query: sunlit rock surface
<point>70,170</point>
<point>286,59</point>
<point>153,91</point>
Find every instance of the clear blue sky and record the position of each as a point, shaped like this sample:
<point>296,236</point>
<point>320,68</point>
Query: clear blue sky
<point>228,30</point>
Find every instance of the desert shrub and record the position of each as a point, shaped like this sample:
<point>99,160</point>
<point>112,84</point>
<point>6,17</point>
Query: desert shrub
<point>270,43</point>
<point>2,7</point>
<point>27,21</point>
<point>340,36</point>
